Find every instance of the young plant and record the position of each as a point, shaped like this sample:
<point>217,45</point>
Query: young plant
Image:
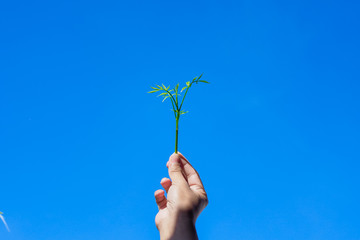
<point>173,95</point>
<point>3,219</point>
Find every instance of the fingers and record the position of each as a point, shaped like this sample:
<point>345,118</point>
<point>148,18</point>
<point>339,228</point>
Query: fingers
<point>192,176</point>
<point>166,184</point>
<point>176,170</point>
<point>160,199</point>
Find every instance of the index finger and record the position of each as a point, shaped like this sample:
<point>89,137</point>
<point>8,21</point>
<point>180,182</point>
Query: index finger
<point>192,176</point>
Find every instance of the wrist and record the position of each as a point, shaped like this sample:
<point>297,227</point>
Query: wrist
<point>187,232</point>
<point>179,228</point>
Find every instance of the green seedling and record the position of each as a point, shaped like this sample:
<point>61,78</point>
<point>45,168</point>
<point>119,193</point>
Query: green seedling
<point>3,219</point>
<point>176,102</point>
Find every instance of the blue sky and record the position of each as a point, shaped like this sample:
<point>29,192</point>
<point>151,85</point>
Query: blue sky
<point>275,136</point>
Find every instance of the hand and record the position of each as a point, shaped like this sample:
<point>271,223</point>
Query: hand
<point>186,198</point>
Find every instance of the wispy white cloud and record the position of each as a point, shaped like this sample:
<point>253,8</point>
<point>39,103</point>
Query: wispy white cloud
<point>3,219</point>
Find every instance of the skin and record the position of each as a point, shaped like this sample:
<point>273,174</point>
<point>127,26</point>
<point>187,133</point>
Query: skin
<point>185,200</point>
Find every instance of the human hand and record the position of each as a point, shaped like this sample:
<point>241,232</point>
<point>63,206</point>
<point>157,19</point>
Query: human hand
<point>186,198</point>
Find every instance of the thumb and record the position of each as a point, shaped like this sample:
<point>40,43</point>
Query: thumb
<point>175,170</point>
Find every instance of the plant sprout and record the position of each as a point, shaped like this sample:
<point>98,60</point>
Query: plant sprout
<point>3,219</point>
<point>173,95</point>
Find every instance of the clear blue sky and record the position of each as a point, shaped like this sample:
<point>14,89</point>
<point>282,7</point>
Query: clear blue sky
<point>275,136</point>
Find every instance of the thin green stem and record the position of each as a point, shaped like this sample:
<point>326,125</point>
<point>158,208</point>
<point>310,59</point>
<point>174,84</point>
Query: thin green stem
<point>177,133</point>
<point>185,95</point>
<point>176,93</point>
<point>173,107</point>
<point>177,108</point>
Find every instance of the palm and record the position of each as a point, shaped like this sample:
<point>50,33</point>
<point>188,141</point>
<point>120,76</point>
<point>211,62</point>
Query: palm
<point>161,216</point>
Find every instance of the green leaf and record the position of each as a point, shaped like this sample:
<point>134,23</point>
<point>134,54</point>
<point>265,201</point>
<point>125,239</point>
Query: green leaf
<point>154,88</point>
<point>188,83</point>
<point>160,87</point>
<point>161,94</point>
<point>183,89</point>
<point>203,81</point>
<point>153,91</point>
<point>165,98</point>
<point>198,79</point>
<point>163,86</point>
